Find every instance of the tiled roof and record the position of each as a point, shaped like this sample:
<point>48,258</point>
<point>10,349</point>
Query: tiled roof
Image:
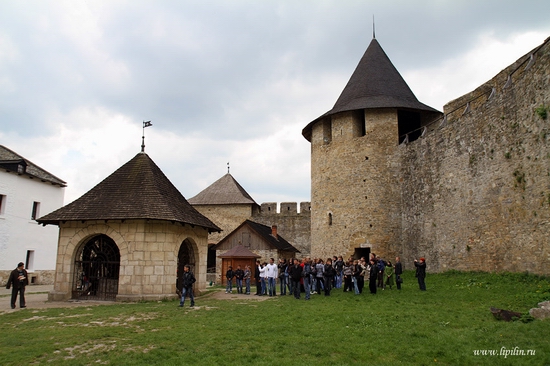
<point>239,252</point>
<point>9,158</point>
<point>264,231</point>
<point>375,83</point>
<point>137,190</point>
<point>224,191</point>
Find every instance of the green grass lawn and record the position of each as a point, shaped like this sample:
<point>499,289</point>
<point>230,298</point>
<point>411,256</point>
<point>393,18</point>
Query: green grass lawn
<point>444,325</point>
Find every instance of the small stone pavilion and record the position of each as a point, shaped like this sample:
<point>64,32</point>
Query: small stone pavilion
<point>128,238</point>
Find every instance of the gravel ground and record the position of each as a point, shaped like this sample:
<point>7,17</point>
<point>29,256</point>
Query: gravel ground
<point>36,297</point>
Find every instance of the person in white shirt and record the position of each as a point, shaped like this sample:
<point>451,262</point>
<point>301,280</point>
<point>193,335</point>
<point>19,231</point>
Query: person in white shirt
<point>263,277</point>
<point>271,273</point>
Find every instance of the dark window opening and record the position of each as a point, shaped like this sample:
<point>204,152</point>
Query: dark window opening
<point>29,261</point>
<point>408,124</point>
<point>330,218</point>
<point>359,121</point>
<point>327,131</point>
<point>35,210</point>
<point>2,203</point>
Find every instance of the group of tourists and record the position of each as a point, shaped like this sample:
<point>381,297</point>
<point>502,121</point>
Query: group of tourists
<point>317,276</point>
<point>314,276</point>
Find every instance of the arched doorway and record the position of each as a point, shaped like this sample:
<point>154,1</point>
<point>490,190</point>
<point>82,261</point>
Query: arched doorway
<point>186,255</point>
<point>97,265</point>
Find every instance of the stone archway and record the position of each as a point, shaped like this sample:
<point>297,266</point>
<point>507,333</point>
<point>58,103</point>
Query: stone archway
<point>97,265</point>
<point>186,255</point>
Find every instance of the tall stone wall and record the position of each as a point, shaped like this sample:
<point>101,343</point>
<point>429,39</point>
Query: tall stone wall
<point>292,225</point>
<point>475,189</point>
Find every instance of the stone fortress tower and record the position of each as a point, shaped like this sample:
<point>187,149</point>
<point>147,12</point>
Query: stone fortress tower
<point>354,178</point>
<point>469,189</point>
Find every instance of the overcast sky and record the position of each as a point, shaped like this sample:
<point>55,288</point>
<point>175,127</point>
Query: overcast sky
<point>226,81</point>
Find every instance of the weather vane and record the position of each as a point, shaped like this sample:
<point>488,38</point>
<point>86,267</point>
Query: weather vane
<point>145,124</point>
<point>227,167</point>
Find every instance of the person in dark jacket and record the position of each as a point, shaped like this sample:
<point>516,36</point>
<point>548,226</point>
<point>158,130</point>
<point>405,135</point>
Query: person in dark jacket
<point>421,273</point>
<point>18,279</point>
<point>239,276</point>
<point>229,277</point>
<point>295,273</point>
<point>328,274</point>
<point>398,272</point>
<point>187,280</point>
<point>373,276</point>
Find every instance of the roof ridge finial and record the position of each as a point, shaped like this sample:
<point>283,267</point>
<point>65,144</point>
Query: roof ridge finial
<point>373,28</point>
<point>227,167</point>
<point>145,124</point>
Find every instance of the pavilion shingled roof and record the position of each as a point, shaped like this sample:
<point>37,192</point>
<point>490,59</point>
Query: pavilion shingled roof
<point>137,190</point>
<point>224,191</point>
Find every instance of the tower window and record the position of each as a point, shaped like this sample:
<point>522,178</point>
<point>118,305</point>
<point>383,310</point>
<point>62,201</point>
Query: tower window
<point>327,131</point>
<point>330,218</point>
<point>408,124</point>
<point>360,127</point>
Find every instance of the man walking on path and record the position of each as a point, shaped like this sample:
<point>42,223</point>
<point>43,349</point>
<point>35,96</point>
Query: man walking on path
<point>18,279</point>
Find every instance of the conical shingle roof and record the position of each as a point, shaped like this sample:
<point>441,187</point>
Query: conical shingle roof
<point>375,83</point>
<point>224,191</point>
<point>137,190</point>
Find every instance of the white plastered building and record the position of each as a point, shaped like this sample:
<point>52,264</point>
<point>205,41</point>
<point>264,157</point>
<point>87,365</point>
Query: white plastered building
<point>27,192</point>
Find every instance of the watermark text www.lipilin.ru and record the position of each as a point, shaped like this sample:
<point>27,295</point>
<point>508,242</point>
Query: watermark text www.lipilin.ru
<point>504,352</point>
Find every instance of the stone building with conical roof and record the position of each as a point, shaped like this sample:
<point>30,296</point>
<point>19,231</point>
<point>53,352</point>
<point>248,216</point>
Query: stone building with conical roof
<point>226,203</point>
<point>229,206</point>
<point>128,238</point>
<point>355,196</point>
<point>468,188</point>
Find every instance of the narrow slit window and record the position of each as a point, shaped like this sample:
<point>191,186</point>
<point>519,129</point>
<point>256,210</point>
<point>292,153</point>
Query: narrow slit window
<point>29,262</point>
<point>35,210</point>
<point>2,204</point>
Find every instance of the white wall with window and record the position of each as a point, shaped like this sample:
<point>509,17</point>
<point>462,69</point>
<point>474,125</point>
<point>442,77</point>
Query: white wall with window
<point>22,200</point>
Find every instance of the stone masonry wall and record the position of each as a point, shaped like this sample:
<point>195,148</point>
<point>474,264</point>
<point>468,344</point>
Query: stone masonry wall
<point>355,185</point>
<point>292,225</point>
<point>476,188</point>
<point>148,256</point>
<point>226,217</point>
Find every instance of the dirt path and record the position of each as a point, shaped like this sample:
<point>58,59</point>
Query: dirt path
<point>37,298</point>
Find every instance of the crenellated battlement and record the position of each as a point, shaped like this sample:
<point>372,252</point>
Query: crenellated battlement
<point>286,209</point>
